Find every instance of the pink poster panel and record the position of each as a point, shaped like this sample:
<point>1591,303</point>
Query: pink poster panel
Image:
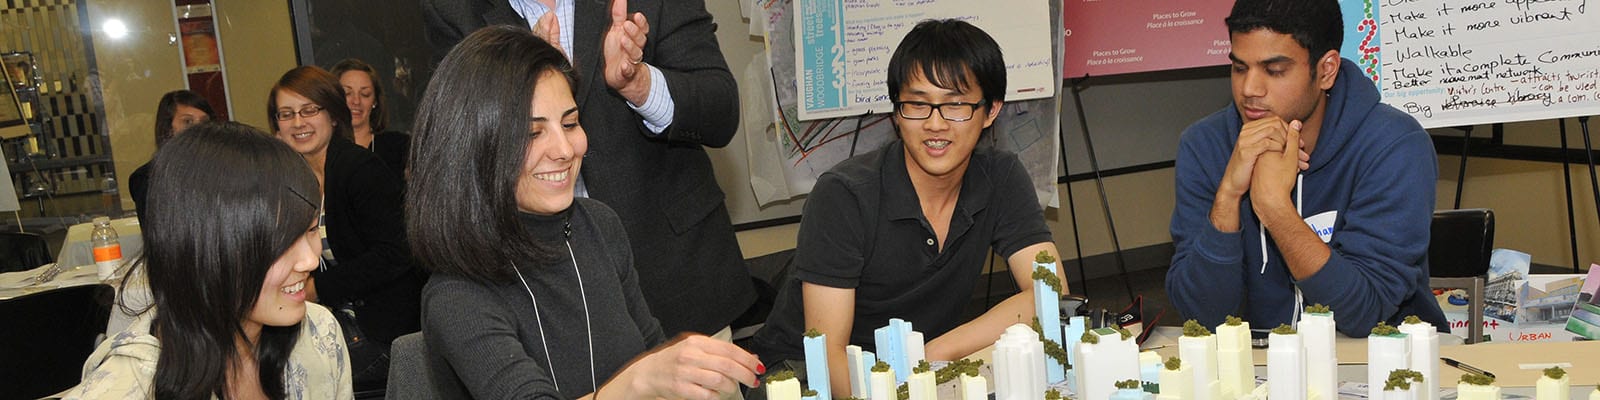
<point>1109,37</point>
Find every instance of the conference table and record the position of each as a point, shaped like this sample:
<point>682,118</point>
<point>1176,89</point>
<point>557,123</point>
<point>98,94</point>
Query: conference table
<point>1517,366</point>
<point>78,269</point>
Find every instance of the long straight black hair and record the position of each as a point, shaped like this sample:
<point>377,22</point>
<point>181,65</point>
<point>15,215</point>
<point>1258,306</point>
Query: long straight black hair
<point>471,137</point>
<point>226,200</point>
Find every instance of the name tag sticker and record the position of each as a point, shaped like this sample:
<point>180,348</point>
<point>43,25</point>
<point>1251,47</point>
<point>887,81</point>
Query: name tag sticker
<point>1322,224</point>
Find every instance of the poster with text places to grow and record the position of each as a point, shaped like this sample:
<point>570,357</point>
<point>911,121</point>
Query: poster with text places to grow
<point>842,48</point>
<point>1467,62</point>
<point>1108,37</point>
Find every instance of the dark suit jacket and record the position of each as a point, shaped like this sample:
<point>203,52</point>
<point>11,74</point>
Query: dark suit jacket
<point>690,268</point>
<point>366,229</point>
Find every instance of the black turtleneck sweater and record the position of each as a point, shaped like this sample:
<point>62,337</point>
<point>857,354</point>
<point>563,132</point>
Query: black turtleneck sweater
<point>485,340</point>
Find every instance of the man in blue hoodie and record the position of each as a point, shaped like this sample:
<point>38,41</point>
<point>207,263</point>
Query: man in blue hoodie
<point>1305,189</point>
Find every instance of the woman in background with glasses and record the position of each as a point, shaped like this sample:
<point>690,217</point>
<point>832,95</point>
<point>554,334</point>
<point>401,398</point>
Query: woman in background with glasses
<point>367,277</point>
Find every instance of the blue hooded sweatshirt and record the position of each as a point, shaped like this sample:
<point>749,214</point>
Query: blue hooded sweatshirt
<point>1369,194</point>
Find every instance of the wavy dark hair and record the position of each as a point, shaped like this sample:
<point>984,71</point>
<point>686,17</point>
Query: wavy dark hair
<point>319,86</point>
<point>205,273</point>
<point>379,117</point>
<point>169,106</point>
<point>471,137</point>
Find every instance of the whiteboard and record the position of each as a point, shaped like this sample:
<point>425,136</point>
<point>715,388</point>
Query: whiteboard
<point>1458,63</point>
<point>842,48</point>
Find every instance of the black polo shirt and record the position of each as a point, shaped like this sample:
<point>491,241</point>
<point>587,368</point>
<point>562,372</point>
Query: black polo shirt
<point>863,228</point>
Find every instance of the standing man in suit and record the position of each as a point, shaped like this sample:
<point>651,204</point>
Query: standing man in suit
<point>653,90</point>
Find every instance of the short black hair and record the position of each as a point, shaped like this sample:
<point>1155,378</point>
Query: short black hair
<point>469,145</point>
<point>944,50</point>
<point>1317,25</point>
<point>169,106</point>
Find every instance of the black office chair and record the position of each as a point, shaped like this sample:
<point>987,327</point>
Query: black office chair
<point>1458,257</point>
<point>409,378</point>
<point>47,337</point>
<point>21,251</point>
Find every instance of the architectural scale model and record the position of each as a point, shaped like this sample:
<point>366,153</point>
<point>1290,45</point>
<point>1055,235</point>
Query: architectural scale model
<point>817,378</point>
<point>1199,346</point>
<point>1236,361</point>
<point>1322,363</point>
<point>1387,350</point>
<point>1108,356</point>
<point>1047,308</point>
<point>882,378</point>
<point>1477,387</point>
<point>921,384</point>
<point>859,364</point>
<point>1177,380</point>
<point>1424,354</point>
<point>1554,385</point>
<point>1405,384</point>
<point>1019,365</point>
<point>1286,365</point>
<point>900,346</point>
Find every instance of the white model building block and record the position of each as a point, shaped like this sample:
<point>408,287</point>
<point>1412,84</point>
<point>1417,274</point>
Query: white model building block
<point>1410,393</point>
<point>1150,367</point>
<point>787,389</point>
<point>893,341</point>
<point>1177,384</point>
<point>1130,394</point>
<point>1322,364</point>
<point>1467,391</point>
<point>1076,326</point>
<point>816,349</point>
<point>883,386</point>
<point>1047,308</point>
<point>1286,367</point>
<point>1108,360</point>
<point>1019,361</point>
<point>1236,369</point>
<point>1554,389</point>
<point>1424,340</point>
<point>860,365</point>
<point>1594,394</point>
<point>921,386</point>
<point>1200,355</point>
<point>1385,353</point>
<point>973,387</point>
<point>915,348</point>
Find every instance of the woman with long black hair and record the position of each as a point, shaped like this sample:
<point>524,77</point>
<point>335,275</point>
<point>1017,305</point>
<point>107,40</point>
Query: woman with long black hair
<point>534,292</point>
<point>229,318</point>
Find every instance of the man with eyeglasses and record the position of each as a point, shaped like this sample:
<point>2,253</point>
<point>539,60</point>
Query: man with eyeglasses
<point>903,231</point>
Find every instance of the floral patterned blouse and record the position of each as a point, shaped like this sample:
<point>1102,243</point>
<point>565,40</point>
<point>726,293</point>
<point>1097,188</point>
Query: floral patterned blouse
<point>124,365</point>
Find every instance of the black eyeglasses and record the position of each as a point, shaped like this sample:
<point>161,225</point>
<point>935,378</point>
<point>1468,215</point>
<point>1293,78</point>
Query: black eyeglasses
<point>953,112</point>
<point>308,112</point>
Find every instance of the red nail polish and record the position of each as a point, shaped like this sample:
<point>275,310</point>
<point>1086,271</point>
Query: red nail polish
<point>761,368</point>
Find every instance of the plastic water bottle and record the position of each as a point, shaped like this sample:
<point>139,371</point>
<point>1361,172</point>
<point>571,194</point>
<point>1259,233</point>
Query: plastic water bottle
<point>110,196</point>
<point>107,250</point>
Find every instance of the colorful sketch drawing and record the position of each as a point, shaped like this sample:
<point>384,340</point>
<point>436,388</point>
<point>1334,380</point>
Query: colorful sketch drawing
<point>812,147</point>
<point>1362,42</point>
<point>1585,319</point>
